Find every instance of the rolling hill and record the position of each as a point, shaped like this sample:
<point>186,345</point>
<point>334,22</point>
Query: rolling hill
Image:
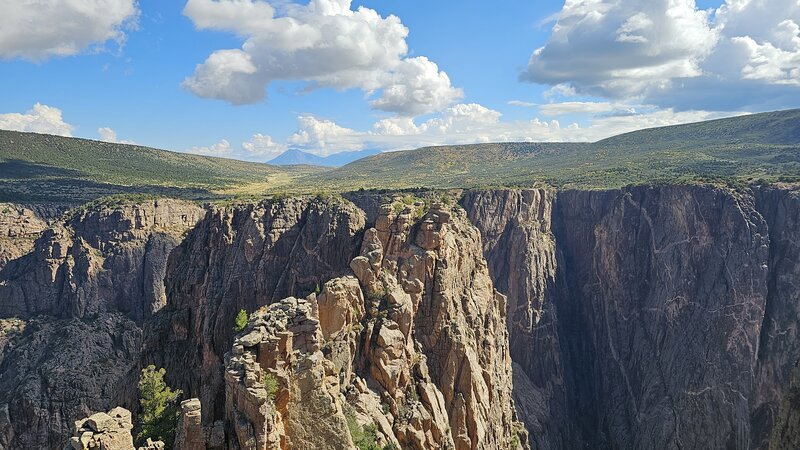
<point>38,167</point>
<point>743,149</point>
<point>763,146</point>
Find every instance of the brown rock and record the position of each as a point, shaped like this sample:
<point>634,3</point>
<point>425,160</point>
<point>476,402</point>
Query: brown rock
<point>190,434</point>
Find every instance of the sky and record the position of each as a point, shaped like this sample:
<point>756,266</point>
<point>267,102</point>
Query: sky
<point>249,79</point>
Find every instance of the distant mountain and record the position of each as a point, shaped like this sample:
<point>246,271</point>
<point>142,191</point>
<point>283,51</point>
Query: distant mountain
<point>293,157</point>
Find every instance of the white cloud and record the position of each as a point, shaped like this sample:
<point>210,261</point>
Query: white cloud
<point>262,148</point>
<point>38,29</point>
<point>324,137</point>
<point>324,43</point>
<point>109,135</point>
<point>777,63</point>
<point>744,55</point>
<point>560,90</point>
<point>39,119</point>
<point>416,87</point>
<point>521,103</point>
<point>622,49</point>
<point>564,108</point>
<point>460,124</point>
<point>220,149</point>
<point>473,123</point>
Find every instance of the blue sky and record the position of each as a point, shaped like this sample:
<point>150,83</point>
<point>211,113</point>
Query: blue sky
<point>338,78</point>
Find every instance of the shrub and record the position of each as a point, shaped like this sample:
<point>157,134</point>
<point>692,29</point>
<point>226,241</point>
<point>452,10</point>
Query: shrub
<point>159,407</point>
<point>270,384</point>
<point>241,321</point>
<point>366,437</point>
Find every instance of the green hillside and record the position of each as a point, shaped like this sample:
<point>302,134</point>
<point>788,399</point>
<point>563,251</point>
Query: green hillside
<point>38,167</point>
<point>35,167</point>
<point>745,148</point>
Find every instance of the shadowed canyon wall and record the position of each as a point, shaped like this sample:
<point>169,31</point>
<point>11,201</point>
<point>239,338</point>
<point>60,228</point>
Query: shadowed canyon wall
<point>645,317</point>
<point>648,317</point>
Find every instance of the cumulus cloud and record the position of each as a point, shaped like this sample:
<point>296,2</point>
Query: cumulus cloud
<point>473,123</point>
<point>38,29</point>
<point>620,49</point>
<point>324,137</point>
<point>109,135</point>
<point>39,119</point>
<point>459,124</point>
<point>325,43</point>
<point>261,147</point>
<point>743,55</point>
<point>220,149</point>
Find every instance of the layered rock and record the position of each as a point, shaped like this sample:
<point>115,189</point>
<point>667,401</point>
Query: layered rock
<point>190,434</point>
<point>20,225</point>
<point>99,260</point>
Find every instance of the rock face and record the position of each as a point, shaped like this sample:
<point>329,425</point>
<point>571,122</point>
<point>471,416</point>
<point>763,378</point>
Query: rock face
<point>80,298</point>
<point>645,317</point>
<point>779,346</point>
<point>190,434</point>
<point>243,258</point>
<point>648,317</point>
<point>20,225</point>
<point>412,350</point>
<point>101,259</point>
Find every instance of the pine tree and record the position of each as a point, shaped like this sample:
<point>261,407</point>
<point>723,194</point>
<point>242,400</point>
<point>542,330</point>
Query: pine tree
<point>159,413</point>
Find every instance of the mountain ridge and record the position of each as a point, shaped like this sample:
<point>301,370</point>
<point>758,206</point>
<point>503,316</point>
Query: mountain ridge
<point>295,156</point>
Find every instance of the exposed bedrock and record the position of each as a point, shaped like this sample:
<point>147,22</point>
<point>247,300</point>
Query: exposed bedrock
<point>645,317</point>
<point>412,347</point>
<point>636,314</point>
<point>71,312</point>
<point>243,258</point>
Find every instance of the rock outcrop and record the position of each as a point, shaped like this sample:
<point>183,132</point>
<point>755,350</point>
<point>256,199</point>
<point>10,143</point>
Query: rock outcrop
<point>20,225</point>
<point>243,258</point>
<point>411,352</point>
<point>644,317</point>
<point>103,431</point>
<point>100,259</point>
<point>190,434</point>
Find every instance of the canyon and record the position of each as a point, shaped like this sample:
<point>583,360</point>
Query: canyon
<point>658,316</point>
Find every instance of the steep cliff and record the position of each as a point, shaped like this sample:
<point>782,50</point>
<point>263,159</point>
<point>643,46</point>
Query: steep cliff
<point>411,352</point>
<point>646,305</point>
<point>77,302</point>
<point>20,225</point>
<point>779,347</point>
<point>644,317</point>
<point>238,258</point>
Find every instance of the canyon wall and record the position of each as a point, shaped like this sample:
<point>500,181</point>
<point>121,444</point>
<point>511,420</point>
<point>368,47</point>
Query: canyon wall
<point>644,317</point>
<point>71,312</point>
<point>647,317</point>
